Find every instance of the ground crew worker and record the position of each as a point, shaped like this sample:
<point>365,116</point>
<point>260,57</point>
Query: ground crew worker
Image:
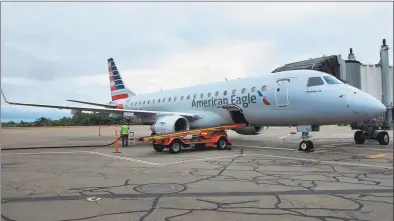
<point>125,134</point>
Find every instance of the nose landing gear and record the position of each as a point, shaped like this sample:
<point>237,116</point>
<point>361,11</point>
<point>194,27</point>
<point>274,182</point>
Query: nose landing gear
<point>306,145</point>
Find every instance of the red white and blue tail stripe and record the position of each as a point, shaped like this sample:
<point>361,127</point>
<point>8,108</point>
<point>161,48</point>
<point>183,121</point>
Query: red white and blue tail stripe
<point>118,89</point>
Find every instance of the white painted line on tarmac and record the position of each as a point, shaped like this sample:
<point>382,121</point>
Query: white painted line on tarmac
<point>260,147</point>
<point>123,158</point>
<point>324,149</point>
<point>325,161</point>
<point>210,158</point>
<point>284,136</point>
<point>38,153</point>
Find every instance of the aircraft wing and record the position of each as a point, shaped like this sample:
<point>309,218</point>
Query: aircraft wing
<point>95,104</point>
<point>189,116</point>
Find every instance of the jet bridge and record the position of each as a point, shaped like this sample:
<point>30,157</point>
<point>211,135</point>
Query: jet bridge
<point>327,64</point>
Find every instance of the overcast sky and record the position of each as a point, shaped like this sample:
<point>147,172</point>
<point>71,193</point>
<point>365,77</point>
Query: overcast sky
<point>52,52</point>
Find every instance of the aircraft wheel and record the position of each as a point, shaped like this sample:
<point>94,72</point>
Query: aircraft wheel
<point>221,144</point>
<point>383,138</point>
<point>306,145</point>
<point>158,147</point>
<point>153,133</point>
<point>175,146</point>
<point>359,137</point>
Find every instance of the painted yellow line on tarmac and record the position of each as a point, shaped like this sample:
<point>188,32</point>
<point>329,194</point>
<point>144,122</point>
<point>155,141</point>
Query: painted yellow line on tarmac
<point>382,155</point>
<point>321,151</point>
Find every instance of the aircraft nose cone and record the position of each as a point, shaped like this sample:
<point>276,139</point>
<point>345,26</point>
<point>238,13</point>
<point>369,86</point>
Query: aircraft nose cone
<point>370,108</point>
<point>377,108</point>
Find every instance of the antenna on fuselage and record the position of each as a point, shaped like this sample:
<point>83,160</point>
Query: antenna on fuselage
<point>225,79</point>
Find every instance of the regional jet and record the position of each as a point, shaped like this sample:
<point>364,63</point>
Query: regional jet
<point>288,98</point>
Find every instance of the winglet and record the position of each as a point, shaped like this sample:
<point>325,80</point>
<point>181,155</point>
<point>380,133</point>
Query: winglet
<point>5,99</point>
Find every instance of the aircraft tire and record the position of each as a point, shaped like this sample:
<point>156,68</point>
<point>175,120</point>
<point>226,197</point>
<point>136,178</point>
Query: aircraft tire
<point>359,137</point>
<point>306,145</point>
<point>383,138</point>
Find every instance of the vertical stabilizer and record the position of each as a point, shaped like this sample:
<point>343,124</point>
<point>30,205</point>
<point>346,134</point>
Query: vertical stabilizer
<point>118,89</point>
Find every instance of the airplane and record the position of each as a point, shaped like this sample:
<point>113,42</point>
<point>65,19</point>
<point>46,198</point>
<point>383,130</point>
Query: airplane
<point>288,98</point>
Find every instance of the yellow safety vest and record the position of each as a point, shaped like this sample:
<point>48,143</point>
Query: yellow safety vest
<point>125,129</point>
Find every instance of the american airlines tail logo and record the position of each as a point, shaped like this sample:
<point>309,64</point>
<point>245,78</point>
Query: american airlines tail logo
<point>245,101</point>
<point>118,90</point>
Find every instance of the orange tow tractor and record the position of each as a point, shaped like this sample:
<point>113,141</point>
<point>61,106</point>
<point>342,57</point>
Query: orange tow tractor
<point>198,138</point>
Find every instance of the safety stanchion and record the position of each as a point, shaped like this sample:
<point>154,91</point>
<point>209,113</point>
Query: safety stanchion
<point>99,131</point>
<point>116,142</point>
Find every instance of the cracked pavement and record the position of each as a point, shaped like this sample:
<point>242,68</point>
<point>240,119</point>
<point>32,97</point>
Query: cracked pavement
<point>260,178</point>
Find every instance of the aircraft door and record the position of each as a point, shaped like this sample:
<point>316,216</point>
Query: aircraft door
<point>282,92</point>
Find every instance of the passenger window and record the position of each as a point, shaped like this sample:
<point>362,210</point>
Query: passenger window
<point>164,99</point>
<point>217,93</point>
<point>225,93</point>
<point>153,101</point>
<point>315,81</point>
<point>194,96</point>
<point>174,98</point>
<point>253,89</point>
<point>169,99</point>
<point>139,103</point>
<point>188,97</point>
<point>181,97</point>
<point>209,94</point>
<point>158,100</point>
<point>234,91</point>
<point>332,80</point>
<point>202,95</point>
<point>148,101</point>
<point>263,88</point>
<point>243,90</point>
<point>144,102</point>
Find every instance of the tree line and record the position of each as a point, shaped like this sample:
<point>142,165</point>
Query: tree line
<point>82,119</point>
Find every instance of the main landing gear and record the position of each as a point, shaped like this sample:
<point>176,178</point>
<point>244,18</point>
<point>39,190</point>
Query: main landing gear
<point>306,145</point>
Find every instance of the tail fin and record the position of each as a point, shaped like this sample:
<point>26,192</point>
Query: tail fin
<point>118,89</point>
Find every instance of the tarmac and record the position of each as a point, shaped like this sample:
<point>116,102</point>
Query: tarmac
<point>262,177</point>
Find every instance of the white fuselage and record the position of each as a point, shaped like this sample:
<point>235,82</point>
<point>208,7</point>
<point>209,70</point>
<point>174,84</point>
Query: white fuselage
<point>291,101</point>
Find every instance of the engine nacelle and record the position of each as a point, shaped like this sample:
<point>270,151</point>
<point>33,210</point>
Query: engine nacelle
<point>169,124</point>
<point>76,112</point>
<point>249,130</point>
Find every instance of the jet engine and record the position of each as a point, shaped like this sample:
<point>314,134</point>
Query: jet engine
<point>249,130</point>
<point>169,124</point>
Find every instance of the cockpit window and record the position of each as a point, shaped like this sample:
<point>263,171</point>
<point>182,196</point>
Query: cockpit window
<point>332,80</point>
<point>315,81</point>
